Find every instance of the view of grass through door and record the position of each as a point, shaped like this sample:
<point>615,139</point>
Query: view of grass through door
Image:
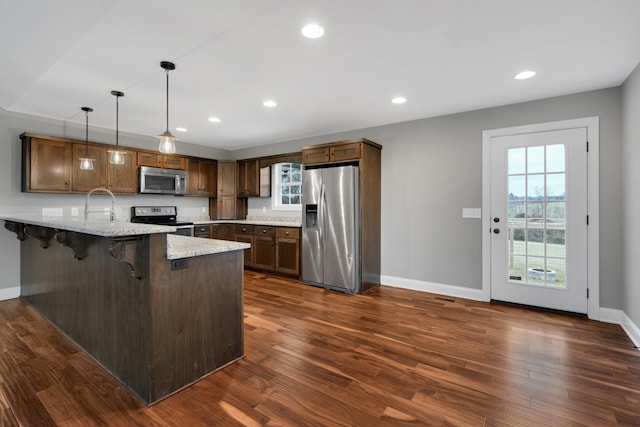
<point>536,199</point>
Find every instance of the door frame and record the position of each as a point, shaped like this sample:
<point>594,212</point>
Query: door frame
<point>592,124</point>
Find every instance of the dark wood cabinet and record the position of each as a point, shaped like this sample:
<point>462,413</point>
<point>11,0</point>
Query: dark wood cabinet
<point>264,254</point>
<point>225,205</point>
<point>248,178</point>
<point>123,178</point>
<point>288,250</point>
<point>222,231</point>
<point>202,231</point>
<point>244,233</point>
<point>201,177</point>
<point>86,180</point>
<point>46,164</point>
<point>165,161</point>
<point>53,165</point>
<point>342,151</point>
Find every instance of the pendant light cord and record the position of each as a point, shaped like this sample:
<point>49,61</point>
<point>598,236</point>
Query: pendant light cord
<point>117,115</point>
<point>167,73</point>
<point>86,134</point>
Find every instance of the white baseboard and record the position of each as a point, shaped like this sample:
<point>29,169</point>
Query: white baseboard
<point>436,288</point>
<point>619,317</point>
<point>607,315</point>
<point>9,293</point>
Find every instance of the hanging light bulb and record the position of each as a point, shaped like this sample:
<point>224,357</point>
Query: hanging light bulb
<point>86,163</point>
<point>167,141</point>
<point>116,157</point>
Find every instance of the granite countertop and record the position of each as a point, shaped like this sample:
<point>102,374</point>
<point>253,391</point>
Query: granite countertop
<point>186,247</point>
<point>97,227</point>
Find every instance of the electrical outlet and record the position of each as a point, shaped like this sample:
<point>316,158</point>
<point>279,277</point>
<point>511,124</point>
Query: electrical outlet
<point>204,210</point>
<point>74,211</point>
<point>51,211</point>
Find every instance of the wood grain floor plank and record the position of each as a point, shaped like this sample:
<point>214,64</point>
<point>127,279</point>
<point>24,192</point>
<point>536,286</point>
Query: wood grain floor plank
<point>389,357</point>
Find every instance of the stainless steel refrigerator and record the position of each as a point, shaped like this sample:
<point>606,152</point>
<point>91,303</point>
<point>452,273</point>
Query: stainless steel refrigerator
<point>331,228</point>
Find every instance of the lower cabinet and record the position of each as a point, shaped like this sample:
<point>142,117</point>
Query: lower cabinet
<point>244,234</point>
<point>288,250</point>
<point>264,255</point>
<point>273,249</point>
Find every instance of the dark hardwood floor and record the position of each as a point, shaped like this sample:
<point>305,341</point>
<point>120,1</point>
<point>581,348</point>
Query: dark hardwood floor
<point>316,358</point>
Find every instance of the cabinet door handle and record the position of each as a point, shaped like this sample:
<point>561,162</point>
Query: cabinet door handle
<point>264,231</point>
<point>286,233</point>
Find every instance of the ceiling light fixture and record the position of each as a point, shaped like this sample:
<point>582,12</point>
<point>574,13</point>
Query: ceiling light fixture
<point>399,100</point>
<point>85,162</point>
<point>116,157</point>
<point>270,103</point>
<point>214,120</point>
<point>525,75</point>
<point>167,141</point>
<point>312,31</point>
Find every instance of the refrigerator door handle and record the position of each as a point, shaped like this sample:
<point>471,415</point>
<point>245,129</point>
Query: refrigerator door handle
<point>321,216</point>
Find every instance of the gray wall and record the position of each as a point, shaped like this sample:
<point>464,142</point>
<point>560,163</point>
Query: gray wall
<point>631,195</point>
<point>431,169</point>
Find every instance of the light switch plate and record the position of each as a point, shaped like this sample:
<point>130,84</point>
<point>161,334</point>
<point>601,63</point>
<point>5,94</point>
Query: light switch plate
<point>471,212</point>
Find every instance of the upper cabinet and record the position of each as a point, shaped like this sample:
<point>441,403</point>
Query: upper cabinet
<point>164,161</point>
<point>52,165</point>
<point>343,151</point>
<point>46,164</point>
<point>248,178</point>
<point>201,177</point>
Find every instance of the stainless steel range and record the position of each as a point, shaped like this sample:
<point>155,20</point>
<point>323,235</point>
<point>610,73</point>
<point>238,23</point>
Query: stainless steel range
<point>161,215</point>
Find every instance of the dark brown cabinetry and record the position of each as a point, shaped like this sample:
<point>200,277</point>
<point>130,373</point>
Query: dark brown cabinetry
<point>248,178</point>
<point>222,231</point>
<point>201,177</point>
<point>165,161</point>
<point>86,180</point>
<point>46,164</point>
<point>326,153</point>
<point>244,233</point>
<point>52,165</point>
<point>226,205</point>
<point>288,250</point>
<point>264,254</point>
<point>202,231</point>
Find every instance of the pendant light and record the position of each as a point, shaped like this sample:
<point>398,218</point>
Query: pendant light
<point>167,141</point>
<point>86,163</point>
<point>116,157</point>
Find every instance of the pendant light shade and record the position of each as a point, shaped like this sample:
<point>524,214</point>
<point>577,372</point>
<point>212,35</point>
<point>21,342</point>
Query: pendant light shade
<point>116,157</point>
<point>86,163</point>
<point>167,140</point>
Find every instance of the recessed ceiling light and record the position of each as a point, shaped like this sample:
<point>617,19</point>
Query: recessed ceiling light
<point>214,119</point>
<point>181,129</point>
<point>312,31</point>
<point>399,100</point>
<point>525,75</point>
<point>269,103</point>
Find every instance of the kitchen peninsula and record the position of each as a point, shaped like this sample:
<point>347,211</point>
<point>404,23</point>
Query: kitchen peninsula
<point>158,311</point>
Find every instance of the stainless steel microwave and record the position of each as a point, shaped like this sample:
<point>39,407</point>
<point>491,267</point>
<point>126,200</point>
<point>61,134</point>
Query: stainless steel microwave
<point>161,181</point>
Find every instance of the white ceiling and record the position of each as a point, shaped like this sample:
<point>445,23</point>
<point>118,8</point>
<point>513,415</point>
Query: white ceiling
<point>444,56</point>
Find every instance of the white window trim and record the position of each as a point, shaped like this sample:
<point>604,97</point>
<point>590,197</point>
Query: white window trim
<point>275,195</point>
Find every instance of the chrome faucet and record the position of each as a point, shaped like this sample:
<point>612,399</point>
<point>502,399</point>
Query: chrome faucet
<point>112,214</point>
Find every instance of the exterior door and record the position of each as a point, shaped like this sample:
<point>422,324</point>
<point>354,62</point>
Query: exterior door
<point>539,219</point>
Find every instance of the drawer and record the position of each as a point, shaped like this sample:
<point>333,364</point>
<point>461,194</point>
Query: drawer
<point>244,229</point>
<point>290,232</point>
<point>202,230</point>
<point>264,231</point>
